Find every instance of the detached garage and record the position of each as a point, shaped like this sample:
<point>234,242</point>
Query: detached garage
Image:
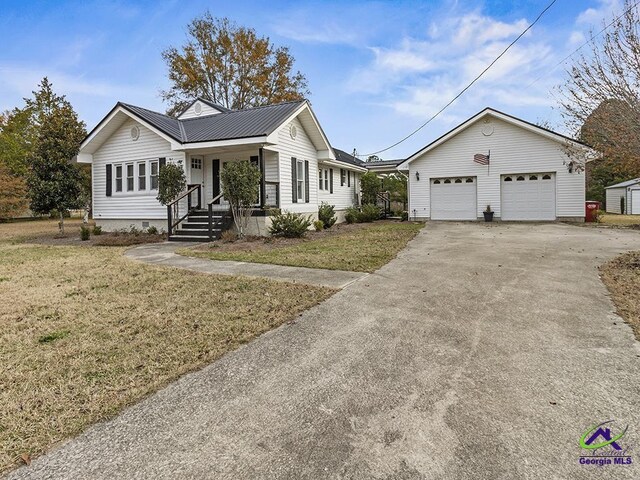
<point>624,197</point>
<point>520,170</point>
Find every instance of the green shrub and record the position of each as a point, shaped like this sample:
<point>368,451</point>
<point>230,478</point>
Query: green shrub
<point>289,225</point>
<point>369,213</point>
<point>97,230</point>
<point>171,182</point>
<point>404,216</point>
<point>351,215</point>
<point>318,225</point>
<point>135,231</point>
<point>327,214</point>
<point>152,230</point>
<point>84,233</point>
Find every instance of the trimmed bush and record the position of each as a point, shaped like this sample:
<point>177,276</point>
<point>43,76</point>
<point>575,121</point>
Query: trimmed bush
<point>152,230</point>
<point>351,215</point>
<point>289,225</point>
<point>369,213</point>
<point>97,230</point>
<point>404,216</point>
<point>327,214</point>
<point>318,225</point>
<point>84,233</point>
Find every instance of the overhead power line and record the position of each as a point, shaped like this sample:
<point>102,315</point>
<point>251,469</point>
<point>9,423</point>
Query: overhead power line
<point>592,37</point>
<point>524,32</point>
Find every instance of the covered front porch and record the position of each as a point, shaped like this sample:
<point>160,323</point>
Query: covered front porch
<point>201,211</point>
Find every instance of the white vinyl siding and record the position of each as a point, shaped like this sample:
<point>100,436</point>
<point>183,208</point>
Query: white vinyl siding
<point>513,149</point>
<point>634,201</point>
<point>120,150</point>
<point>613,199</point>
<point>343,196</point>
<point>301,149</point>
<point>205,110</point>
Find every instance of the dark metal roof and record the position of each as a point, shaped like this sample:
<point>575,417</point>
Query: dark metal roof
<point>344,157</point>
<point>232,124</point>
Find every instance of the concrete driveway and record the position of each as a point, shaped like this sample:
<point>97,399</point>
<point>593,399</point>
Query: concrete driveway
<point>482,351</point>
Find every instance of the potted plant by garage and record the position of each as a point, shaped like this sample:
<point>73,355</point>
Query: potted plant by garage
<point>488,214</point>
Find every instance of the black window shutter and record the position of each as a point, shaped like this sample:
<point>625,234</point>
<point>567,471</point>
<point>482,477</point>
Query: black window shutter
<point>342,177</point>
<point>294,181</point>
<point>331,180</point>
<point>216,178</point>
<point>348,178</point>
<point>162,162</point>
<point>109,166</point>
<point>306,181</point>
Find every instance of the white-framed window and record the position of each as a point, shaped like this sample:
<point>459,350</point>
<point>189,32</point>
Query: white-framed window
<point>130,179</point>
<point>142,176</point>
<point>196,163</point>
<point>118,178</point>
<point>301,179</point>
<point>326,179</point>
<point>343,177</point>
<point>153,174</point>
<point>320,183</point>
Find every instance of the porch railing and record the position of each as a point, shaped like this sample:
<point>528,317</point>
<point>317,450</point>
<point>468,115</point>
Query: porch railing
<point>211,223</point>
<point>180,208</point>
<point>383,200</point>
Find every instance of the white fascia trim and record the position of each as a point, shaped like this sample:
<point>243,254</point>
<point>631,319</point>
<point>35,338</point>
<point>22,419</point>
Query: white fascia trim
<point>142,122</point>
<point>488,111</point>
<point>84,158</point>
<point>263,139</point>
<point>346,166</point>
<point>306,106</point>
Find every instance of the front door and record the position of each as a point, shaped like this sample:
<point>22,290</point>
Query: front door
<point>197,177</point>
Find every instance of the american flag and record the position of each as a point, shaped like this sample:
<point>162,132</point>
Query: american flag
<point>481,159</point>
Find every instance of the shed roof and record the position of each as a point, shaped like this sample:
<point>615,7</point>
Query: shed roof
<point>627,183</point>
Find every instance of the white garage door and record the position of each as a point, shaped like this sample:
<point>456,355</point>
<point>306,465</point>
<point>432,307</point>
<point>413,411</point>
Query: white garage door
<point>530,196</point>
<point>635,202</point>
<point>453,198</point>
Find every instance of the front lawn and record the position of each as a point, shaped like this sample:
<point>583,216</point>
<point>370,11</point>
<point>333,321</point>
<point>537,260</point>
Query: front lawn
<point>85,332</point>
<point>619,220</point>
<point>359,248</point>
<point>622,277</point>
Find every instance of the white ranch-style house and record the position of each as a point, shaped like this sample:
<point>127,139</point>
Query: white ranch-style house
<point>299,167</point>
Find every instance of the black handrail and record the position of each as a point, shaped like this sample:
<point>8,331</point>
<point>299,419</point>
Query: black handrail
<point>277,185</point>
<point>385,197</point>
<point>210,219</point>
<point>174,204</point>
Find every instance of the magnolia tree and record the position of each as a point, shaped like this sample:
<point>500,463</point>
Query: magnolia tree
<point>241,188</point>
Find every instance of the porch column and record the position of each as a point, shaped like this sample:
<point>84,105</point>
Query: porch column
<point>262,179</point>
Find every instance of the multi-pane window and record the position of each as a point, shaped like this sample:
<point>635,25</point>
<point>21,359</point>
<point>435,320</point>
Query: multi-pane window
<point>130,177</point>
<point>320,182</point>
<point>142,175</point>
<point>326,179</point>
<point>301,179</point>
<point>343,176</point>
<point>153,167</point>
<point>118,178</point>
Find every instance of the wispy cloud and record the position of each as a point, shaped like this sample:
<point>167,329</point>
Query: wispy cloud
<point>594,16</point>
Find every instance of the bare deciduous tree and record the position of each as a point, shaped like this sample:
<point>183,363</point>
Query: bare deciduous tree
<point>600,99</point>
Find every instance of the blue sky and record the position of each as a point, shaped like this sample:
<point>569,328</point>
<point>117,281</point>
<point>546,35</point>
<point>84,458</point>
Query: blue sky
<point>376,70</point>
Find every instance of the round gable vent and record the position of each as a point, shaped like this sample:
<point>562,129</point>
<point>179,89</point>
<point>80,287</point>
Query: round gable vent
<point>135,133</point>
<point>197,108</point>
<point>293,131</point>
<point>487,128</point>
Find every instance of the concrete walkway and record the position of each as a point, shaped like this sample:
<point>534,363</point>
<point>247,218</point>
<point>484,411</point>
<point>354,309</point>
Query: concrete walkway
<point>164,254</point>
<point>480,352</point>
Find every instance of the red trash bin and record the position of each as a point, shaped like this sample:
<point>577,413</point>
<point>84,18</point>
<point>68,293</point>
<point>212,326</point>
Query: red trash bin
<point>591,210</point>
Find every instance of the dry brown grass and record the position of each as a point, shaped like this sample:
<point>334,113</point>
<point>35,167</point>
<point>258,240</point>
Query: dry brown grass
<point>622,277</point>
<point>85,332</point>
<point>613,219</point>
<point>18,231</point>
